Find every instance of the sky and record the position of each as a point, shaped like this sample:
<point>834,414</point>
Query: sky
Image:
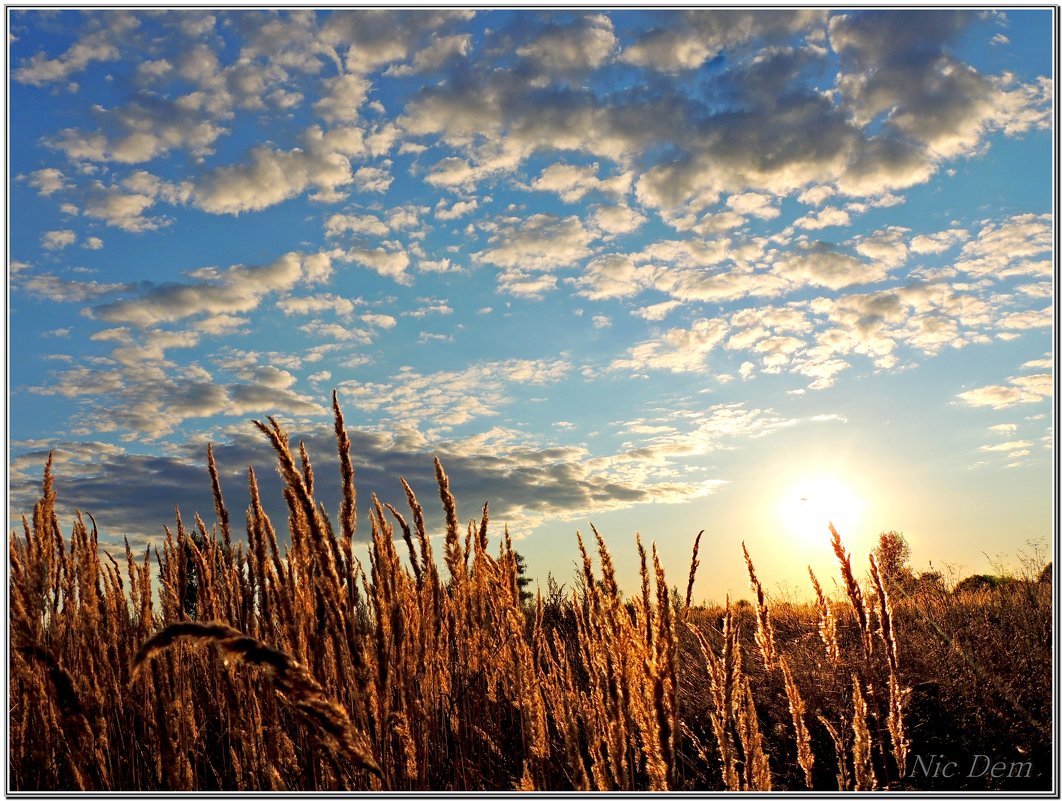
<point>661,271</point>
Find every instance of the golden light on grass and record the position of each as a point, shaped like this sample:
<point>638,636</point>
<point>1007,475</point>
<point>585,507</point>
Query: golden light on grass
<point>242,667</point>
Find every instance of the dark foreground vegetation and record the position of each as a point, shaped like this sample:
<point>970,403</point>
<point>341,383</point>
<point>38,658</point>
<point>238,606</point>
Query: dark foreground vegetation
<point>260,666</point>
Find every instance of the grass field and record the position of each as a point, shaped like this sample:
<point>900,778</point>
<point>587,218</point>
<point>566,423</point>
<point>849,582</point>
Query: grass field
<point>272,662</point>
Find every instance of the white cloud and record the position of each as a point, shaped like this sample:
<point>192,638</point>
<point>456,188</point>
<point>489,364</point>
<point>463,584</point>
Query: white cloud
<point>613,276</point>
<point>99,45</point>
<point>48,181</point>
<point>355,223</point>
<point>441,50</point>
<point>373,179</point>
<point>271,177</point>
<point>57,240</point>
<point>617,219</point>
<point>887,247</point>
<point>235,290</point>
<point>816,195</point>
<point>443,398</point>
<point>1020,245</point>
<point>316,304</point>
<point>344,96</point>
<point>379,320</point>
<point>540,242</point>
<point>821,264</point>
<point>389,263</point>
<point>584,45</point>
<point>436,266</point>
<point>754,204</point>
<point>459,208</point>
<point>693,37</point>
<point>1018,390</point>
<point>573,182</point>
<point>677,349</point>
<point>657,311</point>
<point>939,242</point>
<point>825,218</point>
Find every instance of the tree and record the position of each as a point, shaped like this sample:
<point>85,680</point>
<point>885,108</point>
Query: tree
<point>982,581</point>
<point>522,581</point>
<point>893,554</point>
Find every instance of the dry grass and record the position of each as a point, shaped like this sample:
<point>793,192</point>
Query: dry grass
<point>269,663</point>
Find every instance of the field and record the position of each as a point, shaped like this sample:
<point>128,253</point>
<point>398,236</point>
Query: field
<point>282,663</point>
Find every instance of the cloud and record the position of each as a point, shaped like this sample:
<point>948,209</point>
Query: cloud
<point>319,330</point>
<point>822,264</point>
<point>616,219</point>
<point>121,208</point>
<point>61,290</point>
<point>613,276</point>
<point>541,242</point>
<point>442,397</point>
<point>57,240</point>
<point>379,320</point>
<point>355,223</point>
<point>48,181</point>
<point>98,45</point>
<point>1020,245</point>
<point>573,182</point>
<point>886,247</point>
<point>131,494</point>
<point>235,290</point>
<point>677,350</point>
<point>824,218</point>
<point>436,266</point>
<point>693,37</point>
<point>1018,390</point>
<point>373,179</point>
<point>940,242</point>
<point>459,208</point>
<point>146,128</point>
<point>753,204</point>
<point>344,96</point>
<point>1008,447</point>
<point>902,64</point>
<point>432,307</point>
<point>584,45</point>
<point>140,394</point>
<point>657,311</point>
<point>441,50</point>
<point>271,177</point>
<point>316,304</point>
<point>389,263</point>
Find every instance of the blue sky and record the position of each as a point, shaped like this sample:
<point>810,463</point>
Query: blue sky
<point>659,270</point>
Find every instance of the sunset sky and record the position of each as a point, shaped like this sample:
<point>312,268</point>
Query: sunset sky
<point>662,271</point>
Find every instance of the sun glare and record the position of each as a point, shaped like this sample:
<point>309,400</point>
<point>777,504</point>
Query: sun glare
<point>811,503</point>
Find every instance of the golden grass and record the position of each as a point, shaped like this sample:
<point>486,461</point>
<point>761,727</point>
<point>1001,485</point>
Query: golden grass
<point>271,663</point>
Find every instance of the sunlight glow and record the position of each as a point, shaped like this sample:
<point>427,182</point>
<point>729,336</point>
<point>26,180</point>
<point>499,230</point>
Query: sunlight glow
<point>811,503</point>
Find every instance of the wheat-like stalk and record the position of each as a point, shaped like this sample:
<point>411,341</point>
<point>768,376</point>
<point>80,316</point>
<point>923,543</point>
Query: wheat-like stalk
<point>897,693</point>
<point>861,744</point>
<point>855,594</point>
<point>764,628</point>
<point>289,677</point>
<point>694,564</point>
<point>805,757</point>
<point>827,623</point>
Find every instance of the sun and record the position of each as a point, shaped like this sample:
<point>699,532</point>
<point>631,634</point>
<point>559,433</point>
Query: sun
<point>810,503</point>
